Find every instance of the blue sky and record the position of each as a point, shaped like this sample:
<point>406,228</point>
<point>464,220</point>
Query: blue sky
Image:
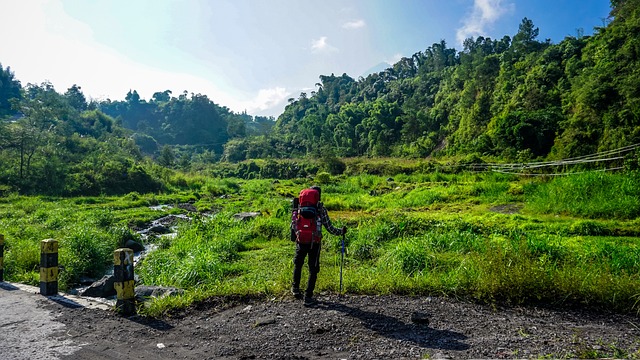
<point>251,54</point>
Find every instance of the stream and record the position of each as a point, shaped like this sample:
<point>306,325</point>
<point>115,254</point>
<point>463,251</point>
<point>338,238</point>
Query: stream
<point>165,226</point>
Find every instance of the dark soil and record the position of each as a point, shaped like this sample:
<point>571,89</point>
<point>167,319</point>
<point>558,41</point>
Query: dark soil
<point>351,327</point>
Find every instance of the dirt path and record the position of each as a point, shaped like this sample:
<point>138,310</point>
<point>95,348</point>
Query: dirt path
<point>28,330</point>
<point>353,327</point>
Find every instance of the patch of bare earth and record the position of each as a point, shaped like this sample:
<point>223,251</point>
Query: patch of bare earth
<point>507,209</point>
<point>351,327</point>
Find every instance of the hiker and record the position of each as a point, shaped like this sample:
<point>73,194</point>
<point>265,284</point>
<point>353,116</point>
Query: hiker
<point>306,223</point>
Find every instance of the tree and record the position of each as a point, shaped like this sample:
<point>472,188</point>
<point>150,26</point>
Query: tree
<point>167,156</point>
<point>525,41</point>
<point>163,96</point>
<point>76,98</point>
<point>522,130</point>
<point>10,88</point>
<point>42,110</point>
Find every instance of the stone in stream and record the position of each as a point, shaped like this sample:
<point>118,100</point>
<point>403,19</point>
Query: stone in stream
<point>188,206</point>
<point>159,229</point>
<point>134,245</point>
<point>102,288</point>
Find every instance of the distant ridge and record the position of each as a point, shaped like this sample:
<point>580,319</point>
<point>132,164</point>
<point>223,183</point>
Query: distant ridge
<point>376,69</point>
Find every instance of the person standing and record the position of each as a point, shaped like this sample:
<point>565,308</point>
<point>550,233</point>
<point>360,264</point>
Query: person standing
<point>307,221</point>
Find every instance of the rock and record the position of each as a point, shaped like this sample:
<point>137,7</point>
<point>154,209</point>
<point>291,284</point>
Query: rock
<point>134,245</point>
<point>144,291</point>
<point>265,321</point>
<point>188,206</point>
<point>102,288</point>
<point>420,318</point>
<point>86,280</point>
<point>159,229</point>
<point>245,216</point>
<point>390,179</point>
<point>171,220</point>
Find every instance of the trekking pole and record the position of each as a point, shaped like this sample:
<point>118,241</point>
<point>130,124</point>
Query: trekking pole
<point>342,257</point>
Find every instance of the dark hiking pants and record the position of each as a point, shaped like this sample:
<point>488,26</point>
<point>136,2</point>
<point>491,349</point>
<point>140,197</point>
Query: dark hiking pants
<point>302,250</point>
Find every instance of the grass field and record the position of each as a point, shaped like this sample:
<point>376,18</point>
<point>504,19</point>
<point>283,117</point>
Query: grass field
<point>566,241</point>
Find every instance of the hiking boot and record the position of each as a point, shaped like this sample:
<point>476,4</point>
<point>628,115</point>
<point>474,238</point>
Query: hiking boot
<point>309,301</point>
<point>296,293</point>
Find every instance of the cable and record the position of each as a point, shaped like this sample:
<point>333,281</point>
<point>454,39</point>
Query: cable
<point>512,168</point>
<point>560,174</point>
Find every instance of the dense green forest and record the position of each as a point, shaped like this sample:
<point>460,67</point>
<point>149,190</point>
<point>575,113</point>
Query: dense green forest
<point>515,98</point>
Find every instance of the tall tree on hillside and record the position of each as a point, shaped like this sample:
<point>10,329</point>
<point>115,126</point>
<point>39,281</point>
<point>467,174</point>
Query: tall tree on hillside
<point>43,108</point>
<point>9,89</point>
<point>604,104</point>
<point>525,41</point>
<point>76,98</point>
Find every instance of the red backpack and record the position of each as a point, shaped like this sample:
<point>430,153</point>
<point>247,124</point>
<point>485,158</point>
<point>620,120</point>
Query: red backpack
<point>307,216</point>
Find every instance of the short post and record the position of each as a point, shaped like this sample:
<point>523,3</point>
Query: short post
<point>1,257</point>
<point>49,267</point>
<point>124,283</point>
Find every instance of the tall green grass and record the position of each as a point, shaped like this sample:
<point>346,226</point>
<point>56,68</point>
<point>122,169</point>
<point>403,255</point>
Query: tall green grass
<point>593,195</point>
<point>411,234</point>
<point>412,255</point>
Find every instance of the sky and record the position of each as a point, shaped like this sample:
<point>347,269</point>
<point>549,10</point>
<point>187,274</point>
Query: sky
<point>251,55</point>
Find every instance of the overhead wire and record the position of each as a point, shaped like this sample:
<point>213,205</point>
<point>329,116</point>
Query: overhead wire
<point>518,168</point>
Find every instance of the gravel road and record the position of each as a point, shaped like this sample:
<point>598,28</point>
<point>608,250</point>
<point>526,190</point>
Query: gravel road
<point>351,327</point>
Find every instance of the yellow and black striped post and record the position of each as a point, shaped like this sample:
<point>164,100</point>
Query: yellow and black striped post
<point>49,267</point>
<point>1,257</point>
<point>123,277</point>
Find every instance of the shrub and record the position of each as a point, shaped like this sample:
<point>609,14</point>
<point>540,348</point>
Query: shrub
<point>411,256</point>
<point>332,164</point>
<point>85,252</point>
<point>270,229</point>
<point>323,178</point>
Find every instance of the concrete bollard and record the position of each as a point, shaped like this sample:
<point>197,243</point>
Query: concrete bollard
<point>1,258</point>
<point>49,267</point>
<point>124,283</point>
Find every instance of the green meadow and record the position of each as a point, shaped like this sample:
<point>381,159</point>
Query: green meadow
<point>488,237</point>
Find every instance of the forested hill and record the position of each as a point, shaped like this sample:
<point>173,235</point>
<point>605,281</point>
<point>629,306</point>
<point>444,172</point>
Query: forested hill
<point>186,119</point>
<point>515,98</point>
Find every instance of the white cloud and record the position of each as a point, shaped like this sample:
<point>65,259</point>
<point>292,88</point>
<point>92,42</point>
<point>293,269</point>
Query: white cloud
<point>267,99</point>
<point>321,45</point>
<point>485,13</point>
<point>394,59</point>
<point>355,24</point>
<point>51,46</point>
